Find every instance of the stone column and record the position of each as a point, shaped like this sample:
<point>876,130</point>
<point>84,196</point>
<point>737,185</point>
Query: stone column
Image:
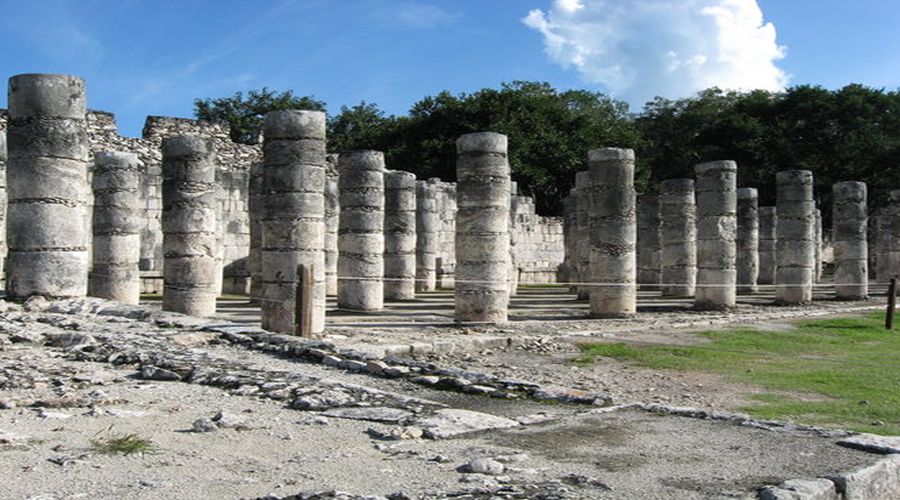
<point>891,256</point>
<point>116,227</point>
<point>716,188</point>
<point>851,248</point>
<point>446,264</point>
<point>796,252</point>
<point>819,247</point>
<point>332,220</point>
<point>294,222</point>
<point>648,247</point>
<point>883,273</point>
<point>426,236</point>
<point>48,191</point>
<point>399,235</point>
<point>482,228</point>
<point>613,233</point>
<point>583,233</point>
<point>569,245</point>
<point>361,231</point>
<point>256,204</point>
<point>189,225</point>
<point>747,242</point>
<point>514,238</point>
<point>2,205</point>
<point>678,238</point>
<point>768,221</point>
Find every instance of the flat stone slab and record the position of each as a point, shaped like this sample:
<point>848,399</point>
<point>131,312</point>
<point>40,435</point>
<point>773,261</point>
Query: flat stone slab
<point>873,443</point>
<point>801,489</point>
<point>880,480</point>
<point>454,422</point>
<point>375,414</point>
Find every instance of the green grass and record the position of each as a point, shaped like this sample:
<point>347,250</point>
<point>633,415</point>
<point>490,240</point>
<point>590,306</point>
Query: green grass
<point>122,444</point>
<point>839,372</point>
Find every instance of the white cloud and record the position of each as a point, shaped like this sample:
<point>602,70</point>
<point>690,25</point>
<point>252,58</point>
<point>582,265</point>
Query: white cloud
<point>639,49</point>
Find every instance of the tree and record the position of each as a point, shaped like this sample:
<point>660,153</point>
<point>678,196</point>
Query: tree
<point>245,114</point>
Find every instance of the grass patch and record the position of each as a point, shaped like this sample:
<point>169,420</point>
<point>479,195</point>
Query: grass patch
<point>122,444</point>
<point>849,367</point>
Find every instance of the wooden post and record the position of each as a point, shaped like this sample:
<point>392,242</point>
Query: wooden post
<point>891,304</point>
<point>304,300</point>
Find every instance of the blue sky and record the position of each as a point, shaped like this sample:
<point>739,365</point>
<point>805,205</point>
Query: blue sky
<point>154,57</point>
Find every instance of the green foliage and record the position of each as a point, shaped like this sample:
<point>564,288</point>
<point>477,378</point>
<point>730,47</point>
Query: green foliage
<point>245,114</point>
<point>829,372</point>
<point>122,444</point>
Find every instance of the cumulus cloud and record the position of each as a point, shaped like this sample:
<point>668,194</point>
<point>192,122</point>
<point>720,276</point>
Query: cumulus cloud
<point>639,49</point>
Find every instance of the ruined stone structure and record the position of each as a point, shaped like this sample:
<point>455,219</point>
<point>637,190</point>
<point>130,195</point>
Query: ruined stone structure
<point>716,191</point>
<point>649,263</point>
<point>514,202</point>
<point>427,222</point>
<point>189,225</point>
<point>116,227</point>
<point>820,244</point>
<point>583,246</point>
<point>613,233</point>
<point>256,206</point>
<point>361,231</point>
<point>399,235</point>
<point>2,201</point>
<point>678,238</point>
<point>293,228</point>
<point>889,257</point>
<point>446,257</point>
<point>48,192</point>
<point>482,228</point>
<point>768,221</point>
<point>747,242</point>
<point>849,223</point>
<point>332,220</point>
<point>569,229</point>
<point>539,251</point>
<point>796,252</point>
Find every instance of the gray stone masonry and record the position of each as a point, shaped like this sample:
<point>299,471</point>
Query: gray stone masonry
<point>583,233</point>
<point>446,260</point>
<point>361,231</point>
<point>851,248</point>
<point>427,222</point>
<point>116,227</point>
<point>189,225</point>
<point>256,205</point>
<point>399,235</point>
<point>482,228</point>
<point>820,247</point>
<point>747,242</point>
<point>332,220</point>
<point>649,252</point>
<point>613,233</point>
<point>569,229</point>
<point>48,191</point>
<point>716,191</point>
<point>293,228</point>
<point>2,202</point>
<point>768,222</point>
<point>514,237</point>
<point>678,237</point>
<point>883,272</point>
<point>892,237</point>
<point>796,232</point>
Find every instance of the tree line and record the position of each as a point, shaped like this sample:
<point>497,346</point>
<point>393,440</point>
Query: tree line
<point>851,133</point>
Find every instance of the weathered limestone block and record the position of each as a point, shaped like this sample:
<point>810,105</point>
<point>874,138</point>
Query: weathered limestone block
<point>891,255</point>
<point>583,233</point>
<point>361,231</point>
<point>427,224</point>
<point>446,261</point>
<point>189,225</point>
<point>796,252</point>
<point>482,228</point>
<point>883,244</point>
<point>256,205</point>
<point>648,247</point>
<point>820,244</point>
<point>716,191</point>
<point>851,248</point>
<point>116,227</point>
<point>613,233</point>
<point>747,242</point>
<point>768,221</point>
<point>47,188</point>
<point>399,235</point>
<point>569,230</point>
<point>332,221</point>
<point>293,228</point>
<point>678,238</point>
